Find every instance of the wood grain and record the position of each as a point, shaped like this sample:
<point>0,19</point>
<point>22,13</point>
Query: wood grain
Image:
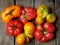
<point>5,39</point>
<point>57,11</point>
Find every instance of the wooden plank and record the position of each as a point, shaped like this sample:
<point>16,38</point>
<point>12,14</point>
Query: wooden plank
<point>50,3</point>
<point>58,37</point>
<point>57,11</point>
<point>25,3</point>
<point>5,39</point>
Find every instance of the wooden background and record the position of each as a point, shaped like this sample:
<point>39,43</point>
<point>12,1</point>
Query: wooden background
<point>5,39</point>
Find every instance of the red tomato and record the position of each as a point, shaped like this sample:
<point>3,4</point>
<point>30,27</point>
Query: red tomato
<point>44,39</point>
<point>45,33</point>
<point>47,37</point>
<point>14,27</point>
<point>28,13</point>
<point>49,27</point>
<point>38,34</point>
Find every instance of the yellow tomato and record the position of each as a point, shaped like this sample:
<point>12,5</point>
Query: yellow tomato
<point>42,10</point>
<point>51,18</point>
<point>29,28</point>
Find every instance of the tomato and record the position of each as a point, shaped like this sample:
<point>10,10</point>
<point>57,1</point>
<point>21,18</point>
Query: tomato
<point>51,18</point>
<point>38,34</point>
<point>39,20</point>
<point>28,13</point>
<point>14,27</point>
<point>11,12</point>
<point>47,37</point>
<point>43,10</point>
<point>44,39</point>
<point>44,33</point>
<point>23,19</point>
<point>20,39</point>
<point>49,27</point>
<point>39,27</point>
<point>29,28</point>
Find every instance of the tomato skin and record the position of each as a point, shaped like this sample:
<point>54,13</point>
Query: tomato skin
<point>29,12</point>
<point>51,18</point>
<point>39,27</point>
<point>29,26</point>
<point>14,27</point>
<point>20,39</point>
<point>38,34</point>
<point>44,33</point>
<point>29,29</point>
<point>39,20</point>
<point>47,37</point>
<point>49,27</point>
<point>42,10</point>
<point>23,19</point>
<point>11,12</point>
<point>43,40</point>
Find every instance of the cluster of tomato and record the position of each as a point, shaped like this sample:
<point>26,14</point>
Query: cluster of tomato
<point>19,23</point>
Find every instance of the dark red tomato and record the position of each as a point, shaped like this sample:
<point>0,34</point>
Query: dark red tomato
<point>44,39</point>
<point>49,27</point>
<point>14,27</point>
<point>49,36</point>
<point>38,34</point>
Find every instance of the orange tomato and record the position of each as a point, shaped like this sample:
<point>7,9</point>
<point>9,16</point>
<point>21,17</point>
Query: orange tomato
<point>11,12</point>
<point>29,28</point>
<point>39,20</point>
<point>20,39</point>
<point>42,10</point>
<point>51,18</point>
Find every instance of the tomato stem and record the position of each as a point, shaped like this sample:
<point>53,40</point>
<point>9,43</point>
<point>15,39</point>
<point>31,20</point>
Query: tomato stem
<point>45,32</point>
<point>10,12</point>
<point>15,26</point>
